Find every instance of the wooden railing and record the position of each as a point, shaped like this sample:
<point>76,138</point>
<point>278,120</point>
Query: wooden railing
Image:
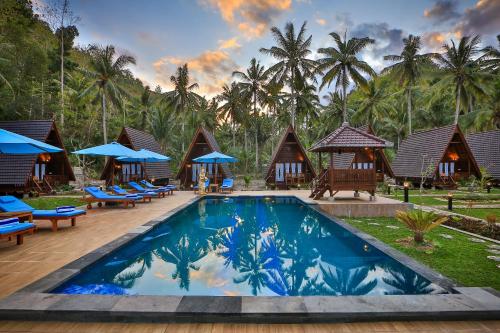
<point>352,179</point>
<point>56,180</point>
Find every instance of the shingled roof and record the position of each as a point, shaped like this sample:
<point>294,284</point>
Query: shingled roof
<point>136,140</point>
<point>289,131</point>
<point>16,170</point>
<point>212,144</point>
<point>424,150</point>
<point>349,137</point>
<point>486,149</point>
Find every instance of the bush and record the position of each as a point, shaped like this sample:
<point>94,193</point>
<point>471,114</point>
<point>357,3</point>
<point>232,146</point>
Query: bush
<point>247,179</point>
<point>420,222</point>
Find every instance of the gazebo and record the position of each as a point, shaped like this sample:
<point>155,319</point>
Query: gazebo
<point>361,175</point>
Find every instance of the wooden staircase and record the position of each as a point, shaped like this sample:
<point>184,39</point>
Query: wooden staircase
<point>446,183</point>
<point>320,185</point>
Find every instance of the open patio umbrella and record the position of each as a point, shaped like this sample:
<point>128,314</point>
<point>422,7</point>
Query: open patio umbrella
<point>216,158</point>
<point>144,155</point>
<point>16,144</point>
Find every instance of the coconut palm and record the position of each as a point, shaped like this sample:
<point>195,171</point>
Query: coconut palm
<point>106,69</point>
<point>491,57</point>
<point>409,67</point>
<point>5,46</point>
<point>232,107</point>
<point>146,102</point>
<point>252,83</point>
<point>340,64</point>
<point>183,97</point>
<point>373,104</point>
<point>291,52</point>
<point>461,67</point>
<point>273,98</point>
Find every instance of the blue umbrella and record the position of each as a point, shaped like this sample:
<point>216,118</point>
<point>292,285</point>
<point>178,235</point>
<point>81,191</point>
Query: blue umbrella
<point>144,155</point>
<point>15,144</point>
<point>215,157</point>
<point>113,149</point>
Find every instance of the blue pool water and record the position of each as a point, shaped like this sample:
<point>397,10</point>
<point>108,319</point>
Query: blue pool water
<point>248,246</point>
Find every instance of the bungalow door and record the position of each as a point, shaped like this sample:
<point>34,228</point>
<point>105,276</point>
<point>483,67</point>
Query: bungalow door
<point>40,170</point>
<point>280,172</point>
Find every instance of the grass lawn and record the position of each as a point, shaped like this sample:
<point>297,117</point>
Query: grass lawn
<point>458,258</point>
<point>480,213</point>
<point>52,202</point>
<point>420,200</point>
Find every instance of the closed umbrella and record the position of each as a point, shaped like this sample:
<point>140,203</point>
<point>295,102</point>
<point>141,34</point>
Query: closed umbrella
<point>16,144</point>
<point>216,158</point>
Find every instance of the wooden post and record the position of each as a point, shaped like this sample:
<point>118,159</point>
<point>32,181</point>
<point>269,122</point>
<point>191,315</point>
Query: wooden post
<point>320,164</point>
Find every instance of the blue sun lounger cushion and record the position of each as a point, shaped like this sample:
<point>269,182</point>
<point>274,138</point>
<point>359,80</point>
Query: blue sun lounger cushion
<point>139,188</point>
<point>12,225</point>
<point>65,209</point>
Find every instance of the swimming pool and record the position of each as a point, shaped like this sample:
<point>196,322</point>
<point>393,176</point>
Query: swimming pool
<point>248,246</point>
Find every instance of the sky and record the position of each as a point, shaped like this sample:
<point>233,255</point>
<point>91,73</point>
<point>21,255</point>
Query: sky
<point>216,37</point>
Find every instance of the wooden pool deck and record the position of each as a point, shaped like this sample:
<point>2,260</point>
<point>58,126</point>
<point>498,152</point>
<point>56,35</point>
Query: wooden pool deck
<point>46,251</point>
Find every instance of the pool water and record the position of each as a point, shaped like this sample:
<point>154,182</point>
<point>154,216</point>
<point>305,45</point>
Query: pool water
<point>248,246</point>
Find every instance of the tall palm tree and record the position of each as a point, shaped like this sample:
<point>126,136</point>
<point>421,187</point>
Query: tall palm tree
<point>253,82</point>
<point>146,102</point>
<point>461,67</point>
<point>408,68</point>
<point>183,96</point>
<point>373,104</point>
<point>291,52</point>
<point>491,57</point>
<point>106,70</point>
<point>273,98</point>
<point>5,46</point>
<point>231,109</point>
<point>342,65</point>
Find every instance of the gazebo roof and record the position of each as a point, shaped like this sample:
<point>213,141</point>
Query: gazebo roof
<point>346,137</point>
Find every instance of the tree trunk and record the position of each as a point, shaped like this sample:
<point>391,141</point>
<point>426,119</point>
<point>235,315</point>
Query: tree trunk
<point>234,135</point>
<point>418,237</point>
<point>344,104</point>
<point>293,99</point>
<point>256,134</point>
<point>408,105</point>
<point>246,148</point>
<point>182,130</point>
<point>457,106</point>
<point>62,64</point>
<point>104,127</point>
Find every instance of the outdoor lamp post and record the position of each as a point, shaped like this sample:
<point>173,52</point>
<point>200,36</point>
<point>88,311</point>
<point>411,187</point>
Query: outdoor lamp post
<point>488,187</point>
<point>450,201</point>
<point>406,187</point>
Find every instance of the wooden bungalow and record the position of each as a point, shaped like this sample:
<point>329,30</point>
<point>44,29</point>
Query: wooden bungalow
<point>355,161</point>
<point>157,172</point>
<point>203,143</point>
<point>359,174</point>
<point>289,165</point>
<point>440,157</point>
<point>485,147</point>
<point>39,173</point>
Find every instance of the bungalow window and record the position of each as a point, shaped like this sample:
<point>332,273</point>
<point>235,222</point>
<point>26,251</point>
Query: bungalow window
<point>446,169</point>
<point>40,170</point>
<point>280,172</point>
<point>299,168</point>
<point>293,169</point>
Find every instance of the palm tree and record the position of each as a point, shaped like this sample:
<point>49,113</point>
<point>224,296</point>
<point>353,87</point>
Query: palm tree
<point>460,66</point>
<point>253,82</point>
<point>146,102</point>
<point>341,65</point>
<point>373,104</point>
<point>106,70</point>
<point>231,109</point>
<point>291,52</point>
<point>273,99</point>
<point>491,57</point>
<point>5,46</point>
<point>182,97</point>
<point>408,68</point>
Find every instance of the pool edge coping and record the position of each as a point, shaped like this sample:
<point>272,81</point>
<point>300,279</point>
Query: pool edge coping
<point>35,301</point>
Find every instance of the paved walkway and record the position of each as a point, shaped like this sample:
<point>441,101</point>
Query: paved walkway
<point>47,251</point>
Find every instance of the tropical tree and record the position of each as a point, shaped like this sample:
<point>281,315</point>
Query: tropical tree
<point>146,102</point>
<point>373,104</point>
<point>461,67</point>
<point>183,96</point>
<point>252,83</point>
<point>420,222</point>
<point>291,52</point>
<point>5,46</point>
<point>106,69</point>
<point>408,68</point>
<point>491,57</point>
<point>231,108</point>
<point>340,64</point>
<point>273,98</point>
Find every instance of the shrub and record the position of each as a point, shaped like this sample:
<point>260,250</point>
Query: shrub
<point>492,221</point>
<point>247,179</point>
<point>420,222</point>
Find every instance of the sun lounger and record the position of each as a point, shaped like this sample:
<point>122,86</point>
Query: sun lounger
<point>12,227</point>
<point>169,188</point>
<point>12,205</point>
<point>139,189</point>
<point>119,191</point>
<point>96,195</point>
<point>207,185</point>
<point>227,185</point>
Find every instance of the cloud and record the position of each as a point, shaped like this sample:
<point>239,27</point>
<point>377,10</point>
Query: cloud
<point>387,41</point>
<point>210,69</point>
<point>442,10</point>
<point>231,43</point>
<point>321,21</point>
<point>250,17</point>
<point>483,18</point>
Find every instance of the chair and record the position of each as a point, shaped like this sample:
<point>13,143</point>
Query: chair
<point>18,208</point>
<point>12,227</point>
<point>139,189</point>
<point>227,185</point>
<point>119,191</point>
<point>168,188</point>
<point>96,195</point>
<point>207,185</point>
